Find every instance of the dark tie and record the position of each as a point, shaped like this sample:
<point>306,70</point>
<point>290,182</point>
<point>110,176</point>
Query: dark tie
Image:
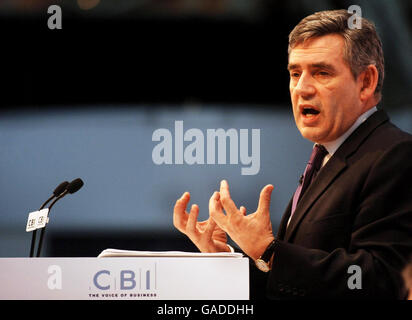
<point>315,163</point>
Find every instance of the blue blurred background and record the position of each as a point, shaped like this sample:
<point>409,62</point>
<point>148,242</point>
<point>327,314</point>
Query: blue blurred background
<point>84,102</point>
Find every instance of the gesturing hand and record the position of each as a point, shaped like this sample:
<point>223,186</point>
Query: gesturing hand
<point>253,232</point>
<point>206,235</point>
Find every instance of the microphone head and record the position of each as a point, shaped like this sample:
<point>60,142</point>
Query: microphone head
<point>60,188</point>
<point>75,185</point>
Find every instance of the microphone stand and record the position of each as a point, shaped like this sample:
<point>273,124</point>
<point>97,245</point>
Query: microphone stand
<point>43,230</point>
<point>33,237</point>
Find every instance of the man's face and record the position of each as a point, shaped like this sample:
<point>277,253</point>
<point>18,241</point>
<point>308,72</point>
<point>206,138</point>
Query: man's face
<point>324,93</point>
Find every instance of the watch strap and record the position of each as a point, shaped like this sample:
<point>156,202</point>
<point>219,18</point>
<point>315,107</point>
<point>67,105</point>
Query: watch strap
<point>269,251</point>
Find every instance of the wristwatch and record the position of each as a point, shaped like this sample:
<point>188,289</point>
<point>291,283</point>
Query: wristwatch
<point>263,262</point>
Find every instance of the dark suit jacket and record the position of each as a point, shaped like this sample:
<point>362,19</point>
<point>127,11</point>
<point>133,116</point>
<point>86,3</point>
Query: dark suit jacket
<point>358,211</point>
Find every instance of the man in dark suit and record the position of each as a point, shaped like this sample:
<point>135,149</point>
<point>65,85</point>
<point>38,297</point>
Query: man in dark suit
<point>347,231</point>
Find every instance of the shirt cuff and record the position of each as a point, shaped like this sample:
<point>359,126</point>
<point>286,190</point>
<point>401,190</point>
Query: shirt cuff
<point>231,248</point>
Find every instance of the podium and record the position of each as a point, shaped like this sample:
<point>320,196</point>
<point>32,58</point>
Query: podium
<point>139,278</point>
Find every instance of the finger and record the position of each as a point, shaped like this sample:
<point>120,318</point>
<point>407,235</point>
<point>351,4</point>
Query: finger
<point>210,228</point>
<point>264,199</point>
<point>216,209</point>
<point>182,202</point>
<point>214,203</point>
<point>226,200</point>
<point>179,212</point>
<point>191,221</point>
<point>220,219</point>
<point>242,210</point>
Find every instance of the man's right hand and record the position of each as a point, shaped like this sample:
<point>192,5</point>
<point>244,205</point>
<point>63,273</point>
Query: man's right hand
<point>206,235</point>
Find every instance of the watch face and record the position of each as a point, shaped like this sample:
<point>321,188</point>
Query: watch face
<point>262,265</point>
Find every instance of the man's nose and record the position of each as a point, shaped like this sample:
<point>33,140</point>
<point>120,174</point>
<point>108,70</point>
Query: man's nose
<point>305,87</point>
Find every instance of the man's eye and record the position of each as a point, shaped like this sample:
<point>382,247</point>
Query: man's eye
<point>294,74</point>
<point>323,73</point>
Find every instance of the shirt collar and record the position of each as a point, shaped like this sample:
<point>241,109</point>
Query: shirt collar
<point>332,146</point>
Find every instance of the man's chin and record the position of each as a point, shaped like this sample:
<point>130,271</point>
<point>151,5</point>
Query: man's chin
<point>311,134</point>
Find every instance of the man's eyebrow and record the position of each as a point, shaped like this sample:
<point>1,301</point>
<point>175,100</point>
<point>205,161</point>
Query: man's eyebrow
<point>323,65</point>
<point>318,65</point>
<point>293,66</point>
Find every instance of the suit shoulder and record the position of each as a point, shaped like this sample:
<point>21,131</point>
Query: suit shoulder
<point>389,136</point>
<point>385,141</point>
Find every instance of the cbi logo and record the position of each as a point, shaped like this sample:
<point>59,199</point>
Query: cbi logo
<point>140,279</point>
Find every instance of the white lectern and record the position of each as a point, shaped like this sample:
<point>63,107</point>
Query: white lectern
<point>144,278</point>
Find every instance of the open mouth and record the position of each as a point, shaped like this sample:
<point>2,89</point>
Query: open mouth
<point>309,111</point>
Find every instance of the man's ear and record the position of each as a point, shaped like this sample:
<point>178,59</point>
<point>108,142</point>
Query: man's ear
<point>368,81</point>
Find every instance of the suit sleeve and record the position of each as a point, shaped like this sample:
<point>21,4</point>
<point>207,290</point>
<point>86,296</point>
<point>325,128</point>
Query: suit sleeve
<point>380,242</point>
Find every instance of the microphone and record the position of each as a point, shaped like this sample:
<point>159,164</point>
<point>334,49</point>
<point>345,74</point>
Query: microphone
<point>71,188</point>
<point>74,186</point>
<point>59,189</point>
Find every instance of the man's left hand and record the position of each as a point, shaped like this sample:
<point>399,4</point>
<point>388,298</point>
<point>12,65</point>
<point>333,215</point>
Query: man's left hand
<point>253,232</point>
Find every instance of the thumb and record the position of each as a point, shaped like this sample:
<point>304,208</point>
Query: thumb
<point>264,199</point>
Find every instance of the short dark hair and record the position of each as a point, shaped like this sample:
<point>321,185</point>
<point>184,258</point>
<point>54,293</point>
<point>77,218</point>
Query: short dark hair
<point>363,46</point>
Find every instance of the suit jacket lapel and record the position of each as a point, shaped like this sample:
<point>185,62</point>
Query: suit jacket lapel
<point>284,221</point>
<point>335,165</point>
<point>324,178</point>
